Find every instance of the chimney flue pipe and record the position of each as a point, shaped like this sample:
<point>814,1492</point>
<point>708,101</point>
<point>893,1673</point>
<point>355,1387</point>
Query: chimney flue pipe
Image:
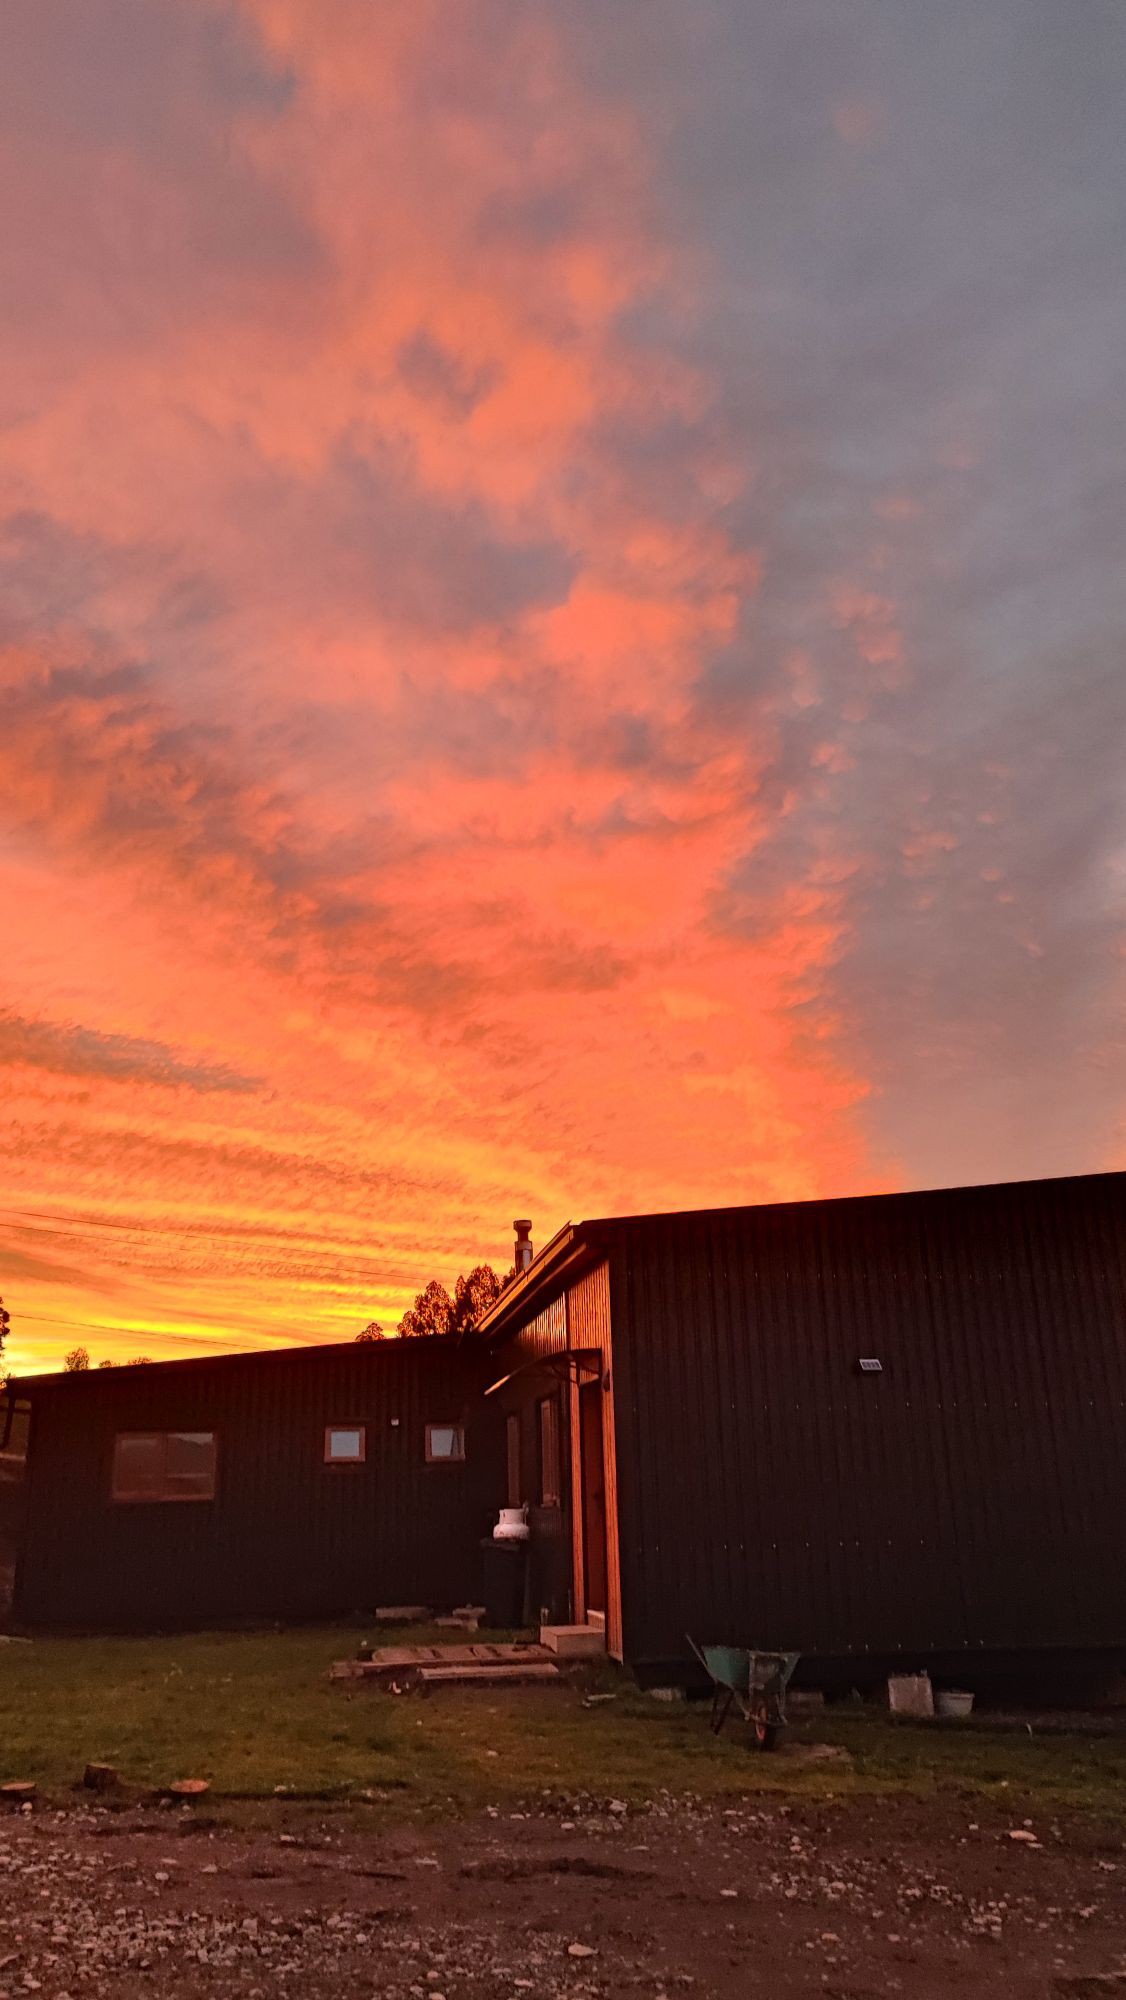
<point>523,1246</point>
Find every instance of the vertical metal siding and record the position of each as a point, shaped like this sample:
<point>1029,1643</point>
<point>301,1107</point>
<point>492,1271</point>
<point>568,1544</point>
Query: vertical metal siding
<point>545,1334</point>
<point>973,1495</point>
<point>588,1311</point>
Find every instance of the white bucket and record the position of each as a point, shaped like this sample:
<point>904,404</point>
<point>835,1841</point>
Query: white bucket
<point>953,1702</point>
<point>512,1525</point>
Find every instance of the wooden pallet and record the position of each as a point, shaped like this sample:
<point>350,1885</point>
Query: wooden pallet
<point>500,1670</point>
<point>388,1661</point>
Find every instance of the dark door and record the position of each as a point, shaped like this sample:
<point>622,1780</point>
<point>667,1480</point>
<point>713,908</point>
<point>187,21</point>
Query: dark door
<point>594,1496</point>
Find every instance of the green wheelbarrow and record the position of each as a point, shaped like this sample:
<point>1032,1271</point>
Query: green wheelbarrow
<point>753,1682</point>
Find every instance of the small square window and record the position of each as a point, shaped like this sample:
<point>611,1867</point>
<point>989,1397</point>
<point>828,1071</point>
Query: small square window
<point>445,1444</point>
<point>345,1444</point>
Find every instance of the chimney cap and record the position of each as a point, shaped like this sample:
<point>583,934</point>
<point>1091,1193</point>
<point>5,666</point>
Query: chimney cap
<point>522,1261</point>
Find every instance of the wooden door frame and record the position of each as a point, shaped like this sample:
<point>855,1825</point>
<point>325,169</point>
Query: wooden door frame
<point>610,1482</point>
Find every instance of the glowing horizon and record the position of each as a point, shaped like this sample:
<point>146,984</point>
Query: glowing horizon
<point>560,649</point>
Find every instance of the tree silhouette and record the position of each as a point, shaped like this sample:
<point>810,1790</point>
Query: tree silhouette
<point>474,1295</point>
<point>372,1331</point>
<point>434,1312</point>
<point>431,1314</point>
<point>77,1361</point>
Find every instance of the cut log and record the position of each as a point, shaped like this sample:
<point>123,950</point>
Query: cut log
<point>16,1790</point>
<point>189,1788</point>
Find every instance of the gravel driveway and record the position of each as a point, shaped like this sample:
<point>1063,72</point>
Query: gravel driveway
<point>850,1900</point>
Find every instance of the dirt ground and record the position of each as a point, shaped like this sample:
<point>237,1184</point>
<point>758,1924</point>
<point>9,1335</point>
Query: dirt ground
<point>849,1900</point>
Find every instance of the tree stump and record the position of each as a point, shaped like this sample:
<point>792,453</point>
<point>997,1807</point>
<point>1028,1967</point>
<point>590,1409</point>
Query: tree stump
<point>100,1778</point>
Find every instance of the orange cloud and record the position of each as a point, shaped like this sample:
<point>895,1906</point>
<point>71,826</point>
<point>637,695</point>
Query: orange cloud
<point>367,835</point>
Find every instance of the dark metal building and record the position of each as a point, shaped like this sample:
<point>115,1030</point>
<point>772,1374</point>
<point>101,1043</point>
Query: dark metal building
<point>889,1427</point>
<point>300,1483</point>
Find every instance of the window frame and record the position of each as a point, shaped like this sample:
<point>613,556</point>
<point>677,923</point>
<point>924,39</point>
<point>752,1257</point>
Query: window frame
<point>335,1464</point>
<point>165,1497</point>
<point>446,1457</point>
<point>550,1434</point>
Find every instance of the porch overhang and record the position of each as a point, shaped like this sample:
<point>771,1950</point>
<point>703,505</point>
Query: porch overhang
<point>570,1364</point>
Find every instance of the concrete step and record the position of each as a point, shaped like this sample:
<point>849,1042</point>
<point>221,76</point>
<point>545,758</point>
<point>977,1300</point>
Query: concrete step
<point>574,1642</point>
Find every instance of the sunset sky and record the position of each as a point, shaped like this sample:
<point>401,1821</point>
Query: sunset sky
<point>561,630</point>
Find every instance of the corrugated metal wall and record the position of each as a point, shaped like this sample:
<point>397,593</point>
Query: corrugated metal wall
<point>545,1334</point>
<point>972,1495</point>
<point>286,1536</point>
<point>588,1310</point>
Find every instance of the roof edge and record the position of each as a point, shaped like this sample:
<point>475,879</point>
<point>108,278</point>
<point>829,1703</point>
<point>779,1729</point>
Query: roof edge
<point>541,1272</point>
<point>575,1239</point>
<point>369,1349</point>
<point>608,1223</point>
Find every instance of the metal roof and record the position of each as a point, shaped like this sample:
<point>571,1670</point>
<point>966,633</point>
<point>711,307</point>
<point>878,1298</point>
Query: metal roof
<point>577,1242</point>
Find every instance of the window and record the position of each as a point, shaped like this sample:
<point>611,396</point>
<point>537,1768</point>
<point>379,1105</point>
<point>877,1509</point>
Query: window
<point>164,1465</point>
<point>345,1444</point>
<point>445,1444</point>
<point>551,1474</point>
<point>512,1450</point>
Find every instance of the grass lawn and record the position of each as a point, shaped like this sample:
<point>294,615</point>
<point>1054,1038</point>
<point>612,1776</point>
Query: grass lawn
<point>255,1711</point>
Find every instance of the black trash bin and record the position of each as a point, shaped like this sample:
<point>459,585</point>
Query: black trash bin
<point>504,1566</point>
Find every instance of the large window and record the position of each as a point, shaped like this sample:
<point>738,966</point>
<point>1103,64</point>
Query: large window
<point>445,1444</point>
<point>345,1444</point>
<point>512,1451</point>
<point>164,1465</point>
<point>551,1464</point>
